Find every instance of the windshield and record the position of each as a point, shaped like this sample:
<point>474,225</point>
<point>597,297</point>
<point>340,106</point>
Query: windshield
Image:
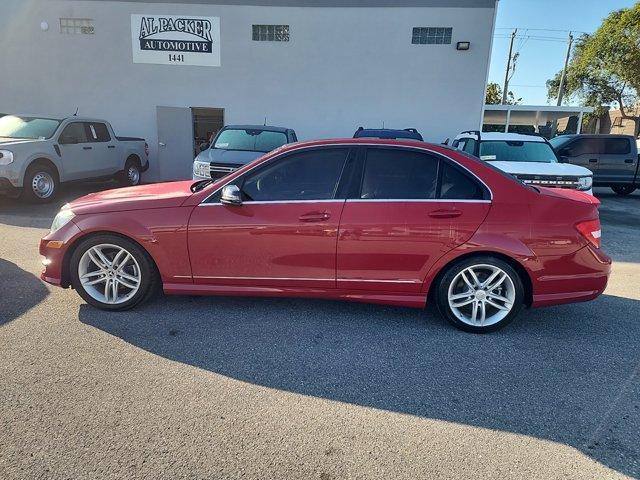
<point>12,126</point>
<point>250,140</point>
<point>511,151</point>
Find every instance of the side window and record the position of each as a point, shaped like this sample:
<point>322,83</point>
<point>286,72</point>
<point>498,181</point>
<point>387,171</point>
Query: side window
<point>98,132</point>
<point>616,146</point>
<point>458,185</point>
<point>73,133</point>
<point>455,143</point>
<point>310,175</point>
<point>585,146</point>
<point>399,174</point>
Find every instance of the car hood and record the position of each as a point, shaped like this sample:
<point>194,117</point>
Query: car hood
<point>157,195</point>
<point>238,157</point>
<point>540,168</point>
<point>5,141</point>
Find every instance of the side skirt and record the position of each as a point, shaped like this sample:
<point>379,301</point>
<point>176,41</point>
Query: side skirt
<point>413,301</point>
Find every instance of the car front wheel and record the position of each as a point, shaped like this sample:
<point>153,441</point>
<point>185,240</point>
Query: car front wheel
<point>480,294</point>
<point>112,273</point>
<point>40,184</point>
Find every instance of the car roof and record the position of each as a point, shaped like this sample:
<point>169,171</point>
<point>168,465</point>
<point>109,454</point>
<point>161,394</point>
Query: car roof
<point>502,137</point>
<point>381,142</point>
<point>266,128</point>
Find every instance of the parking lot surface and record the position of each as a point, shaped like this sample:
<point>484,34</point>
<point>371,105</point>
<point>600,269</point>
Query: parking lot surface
<point>281,388</point>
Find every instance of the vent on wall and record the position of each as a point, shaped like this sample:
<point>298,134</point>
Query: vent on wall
<point>77,26</point>
<point>432,35</point>
<point>271,33</point>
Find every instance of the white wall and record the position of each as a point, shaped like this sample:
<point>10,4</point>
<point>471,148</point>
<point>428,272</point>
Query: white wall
<point>343,67</point>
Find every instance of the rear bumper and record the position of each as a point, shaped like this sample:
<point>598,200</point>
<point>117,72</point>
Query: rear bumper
<point>145,167</point>
<point>579,277</point>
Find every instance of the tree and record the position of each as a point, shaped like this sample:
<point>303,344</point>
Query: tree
<point>494,95</point>
<point>604,66</point>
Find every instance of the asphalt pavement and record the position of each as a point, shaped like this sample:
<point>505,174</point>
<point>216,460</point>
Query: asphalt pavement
<point>225,388</point>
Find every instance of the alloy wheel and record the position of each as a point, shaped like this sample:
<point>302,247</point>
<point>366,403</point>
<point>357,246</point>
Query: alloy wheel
<point>109,273</point>
<point>481,295</point>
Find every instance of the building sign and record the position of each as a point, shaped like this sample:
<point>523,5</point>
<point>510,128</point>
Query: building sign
<point>176,40</point>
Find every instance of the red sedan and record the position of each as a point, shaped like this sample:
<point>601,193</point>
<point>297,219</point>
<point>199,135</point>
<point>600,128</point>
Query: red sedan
<point>383,221</point>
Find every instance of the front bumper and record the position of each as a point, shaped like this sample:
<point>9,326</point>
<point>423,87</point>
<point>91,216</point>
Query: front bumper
<point>53,248</point>
<point>578,277</point>
<point>8,188</point>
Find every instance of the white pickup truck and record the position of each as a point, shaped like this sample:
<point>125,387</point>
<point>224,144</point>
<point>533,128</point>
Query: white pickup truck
<point>529,158</point>
<point>38,154</point>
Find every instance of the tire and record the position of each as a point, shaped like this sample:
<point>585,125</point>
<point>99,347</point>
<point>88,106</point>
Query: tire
<point>140,284</point>
<point>623,189</point>
<point>453,283</point>
<point>131,175</point>
<point>40,183</point>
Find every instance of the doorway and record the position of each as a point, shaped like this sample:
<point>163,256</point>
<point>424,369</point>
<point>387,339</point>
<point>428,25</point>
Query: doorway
<point>206,124</point>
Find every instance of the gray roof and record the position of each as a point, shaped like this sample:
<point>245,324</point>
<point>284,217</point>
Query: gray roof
<point>333,3</point>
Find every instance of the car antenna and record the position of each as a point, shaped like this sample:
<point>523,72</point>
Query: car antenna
<point>76,114</point>
<point>265,121</point>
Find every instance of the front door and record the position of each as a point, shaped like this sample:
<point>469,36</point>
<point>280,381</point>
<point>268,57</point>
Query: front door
<point>410,210</point>
<point>76,152</point>
<point>282,235</point>
<point>175,143</point>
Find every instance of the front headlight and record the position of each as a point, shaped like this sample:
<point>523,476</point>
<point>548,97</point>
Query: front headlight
<point>63,217</point>
<point>585,183</point>
<point>201,169</point>
<point>6,157</point>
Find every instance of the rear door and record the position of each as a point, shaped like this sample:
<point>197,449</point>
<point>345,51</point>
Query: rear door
<point>105,155</point>
<point>617,162</point>
<point>76,152</point>
<point>284,233</point>
<point>411,207</point>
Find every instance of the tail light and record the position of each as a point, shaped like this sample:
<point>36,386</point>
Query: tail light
<point>591,231</point>
<point>146,149</point>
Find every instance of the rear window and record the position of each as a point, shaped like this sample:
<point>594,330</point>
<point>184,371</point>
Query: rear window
<point>616,146</point>
<point>517,151</point>
<point>250,140</point>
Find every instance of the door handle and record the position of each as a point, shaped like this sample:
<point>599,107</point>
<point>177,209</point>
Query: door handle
<point>593,160</point>
<point>162,144</point>
<point>445,213</point>
<point>111,146</point>
<point>315,217</point>
<point>87,148</point>
<point>629,160</point>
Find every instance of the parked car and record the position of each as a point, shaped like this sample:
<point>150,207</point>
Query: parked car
<point>613,159</point>
<point>529,158</point>
<point>38,154</point>
<point>381,221</point>
<point>237,145</point>
<point>388,133</point>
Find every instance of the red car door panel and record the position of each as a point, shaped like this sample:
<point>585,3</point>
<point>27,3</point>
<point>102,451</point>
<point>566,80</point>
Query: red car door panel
<point>266,244</point>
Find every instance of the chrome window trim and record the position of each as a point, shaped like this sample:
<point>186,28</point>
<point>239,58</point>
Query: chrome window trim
<point>415,200</point>
<point>356,145</point>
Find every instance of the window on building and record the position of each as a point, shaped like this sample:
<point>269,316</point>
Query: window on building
<point>271,33</point>
<point>77,25</point>
<point>432,35</point>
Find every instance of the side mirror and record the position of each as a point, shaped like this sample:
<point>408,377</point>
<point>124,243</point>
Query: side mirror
<point>203,147</point>
<point>231,195</point>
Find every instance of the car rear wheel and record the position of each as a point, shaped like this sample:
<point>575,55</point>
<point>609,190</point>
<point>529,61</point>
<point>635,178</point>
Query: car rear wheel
<point>623,189</point>
<point>480,294</point>
<point>131,175</point>
<point>112,273</point>
<point>40,184</point>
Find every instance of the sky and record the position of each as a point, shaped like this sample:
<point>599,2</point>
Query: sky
<point>541,58</point>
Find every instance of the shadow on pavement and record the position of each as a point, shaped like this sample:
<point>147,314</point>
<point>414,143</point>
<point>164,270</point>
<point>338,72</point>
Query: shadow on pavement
<point>562,374</point>
<point>21,291</point>
<point>20,213</point>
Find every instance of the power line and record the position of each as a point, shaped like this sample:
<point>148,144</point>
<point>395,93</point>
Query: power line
<point>540,29</point>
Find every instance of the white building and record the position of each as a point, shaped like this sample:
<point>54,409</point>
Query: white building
<point>321,67</point>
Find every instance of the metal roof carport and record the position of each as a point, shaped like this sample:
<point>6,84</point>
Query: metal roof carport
<point>531,115</point>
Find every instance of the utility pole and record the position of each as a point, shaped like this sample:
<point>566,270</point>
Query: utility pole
<point>563,79</point>
<point>505,87</point>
